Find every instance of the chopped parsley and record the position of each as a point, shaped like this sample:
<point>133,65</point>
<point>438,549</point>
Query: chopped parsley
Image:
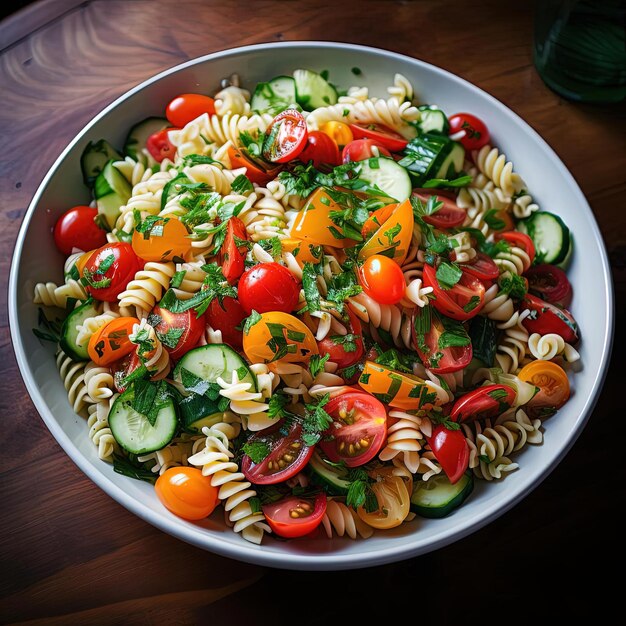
<point>448,274</point>
<point>258,451</point>
<point>250,321</point>
<point>316,364</point>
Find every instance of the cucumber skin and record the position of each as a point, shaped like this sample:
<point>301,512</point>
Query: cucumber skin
<point>527,227</point>
<point>75,352</point>
<point>318,478</point>
<point>444,511</point>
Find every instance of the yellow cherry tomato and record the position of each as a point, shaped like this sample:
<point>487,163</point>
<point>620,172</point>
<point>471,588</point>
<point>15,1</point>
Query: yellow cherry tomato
<point>393,236</point>
<point>281,337</point>
<point>402,391</point>
<point>187,493</point>
<point>301,251</point>
<point>393,502</point>
<point>552,382</point>
<point>338,131</point>
<point>168,238</point>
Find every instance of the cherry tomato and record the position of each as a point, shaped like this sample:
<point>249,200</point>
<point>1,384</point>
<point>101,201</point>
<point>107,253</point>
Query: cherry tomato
<point>160,147</point>
<point>519,240</point>
<point>170,325</point>
<point>482,266</point>
<point>451,450</point>
<point>110,269</point>
<point>321,149</point>
<point>448,216</point>
<point>123,368</point>
<point>552,382</point>
<point>358,430</point>
<point>166,240</point>
<point>295,517</point>
<point>361,149</point>
<point>232,256</point>
<point>393,502</point>
<point>287,456</point>
<point>476,134</point>
<point>482,403</point>
<point>336,348</point>
<point>285,137</point>
<point>258,172</point>
<point>111,342</point>
<point>382,279</point>
<point>301,251</point>
<point>338,131</point>
<point>550,283</point>
<point>313,224</point>
<point>186,492</point>
<point>546,318</point>
<point>439,360</point>
<point>225,316</point>
<point>384,135</point>
<point>268,287</point>
<point>463,301</point>
<point>187,107</point>
<point>77,228</point>
<point>377,219</point>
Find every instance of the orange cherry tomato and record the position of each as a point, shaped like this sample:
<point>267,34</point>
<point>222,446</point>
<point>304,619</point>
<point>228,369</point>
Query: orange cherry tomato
<point>313,223</point>
<point>167,239</point>
<point>187,107</point>
<point>187,493</point>
<point>338,131</point>
<point>377,219</point>
<point>382,279</point>
<point>552,382</point>
<point>300,250</point>
<point>394,502</point>
<point>258,172</point>
<point>112,341</point>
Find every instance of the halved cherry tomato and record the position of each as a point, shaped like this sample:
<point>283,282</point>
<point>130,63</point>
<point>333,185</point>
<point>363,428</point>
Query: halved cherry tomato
<point>111,342</point>
<point>186,492</point>
<point>463,301</point>
<point>288,454</point>
<point>123,368</point>
<point>295,517</point>
<point>520,240</point>
<point>449,215</point>
<point>553,385</point>
<point>482,403</point>
<point>285,137</point>
<point>321,149</point>
<point>382,279</point>
<point>380,133</point>
<point>279,337</point>
<point>546,318</point>
<point>475,131</point>
<point>398,389</point>
<point>187,107</point>
<point>300,250</point>
<point>550,283</point>
<point>178,332</point>
<point>336,348</point>
<point>268,287</point>
<point>258,172</point>
<point>451,450</point>
<point>394,502</point>
<point>338,131</point>
<point>482,266</point>
<point>77,228</point>
<point>358,430</point>
<point>232,256</point>
<point>393,237</point>
<point>109,270</point>
<point>167,239</point>
<point>439,360</point>
<point>377,219</point>
<point>225,316</point>
<point>160,147</point>
<point>361,149</point>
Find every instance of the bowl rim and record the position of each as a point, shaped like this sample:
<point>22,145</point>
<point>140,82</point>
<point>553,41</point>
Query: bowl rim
<point>255,554</point>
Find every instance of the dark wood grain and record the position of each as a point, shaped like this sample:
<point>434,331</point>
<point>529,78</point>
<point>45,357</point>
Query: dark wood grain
<point>71,555</point>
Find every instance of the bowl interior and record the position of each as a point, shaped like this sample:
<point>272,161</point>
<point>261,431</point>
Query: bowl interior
<point>37,259</point>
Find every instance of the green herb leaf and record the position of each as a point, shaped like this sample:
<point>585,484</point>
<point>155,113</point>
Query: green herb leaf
<point>310,288</point>
<point>171,338</point>
<point>493,221</point>
<point>124,466</point>
<point>316,420</point>
<point>250,321</point>
<point>444,420</point>
<point>177,279</point>
<point>241,185</point>
<point>448,274</point>
<point>484,458</point>
<point>513,285</point>
<point>454,334</point>
<point>255,504</point>
<point>277,404</point>
<point>395,360</point>
<point>258,451</point>
<point>348,341</point>
<point>461,181</point>
<point>316,364</point>
<point>149,398</point>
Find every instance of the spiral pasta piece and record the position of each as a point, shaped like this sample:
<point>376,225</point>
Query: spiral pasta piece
<point>497,306</point>
<point>99,430</point>
<point>341,520</point>
<point>175,454</point>
<point>49,294</point>
<point>150,349</point>
<point>481,200</point>
<point>99,382</point>
<point>147,287</point>
<point>495,166</point>
<point>251,405</point>
<point>300,385</point>
<point>512,347</point>
<point>515,260</point>
<point>402,89</point>
<point>73,377</point>
<point>92,324</point>
<point>405,439</point>
<point>192,280</point>
<point>524,206</point>
<point>462,247</point>
<point>549,346</point>
<point>232,101</point>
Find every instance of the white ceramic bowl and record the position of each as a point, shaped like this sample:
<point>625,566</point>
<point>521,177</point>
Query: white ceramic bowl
<point>36,259</point>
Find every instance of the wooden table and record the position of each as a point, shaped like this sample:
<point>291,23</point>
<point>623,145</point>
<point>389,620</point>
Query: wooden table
<point>72,555</point>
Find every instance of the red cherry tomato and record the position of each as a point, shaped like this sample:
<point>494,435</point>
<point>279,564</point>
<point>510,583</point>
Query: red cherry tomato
<point>361,149</point>
<point>225,316</point>
<point>463,301</point>
<point>439,360</point>
<point>335,346</point>
<point>448,216</point>
<point>187,107</point>
<point>159,145</point>
<point>519,240</point>
<point>76,228</point>
<point>268,287</point>
<point>482,266</point>
<point>186,492</point>
<point>257,171</point>
<point>358,430</point>
<point>182,331</point>
<point>382,279</point>
<point>451,450</point>
<point>123,368</point>
<point>295,517</point>
<point>476,134</point>
<point>321,149</point>
<point>382,134</point>
<point>550,283</point>
<point>232,256</point>
<point>288,454</point>
<point>485,402</point>
<point>109,270</point>
<point>285,137</point>
<point>546,318</point>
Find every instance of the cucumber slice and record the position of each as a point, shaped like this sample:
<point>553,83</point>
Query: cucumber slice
<point>388,176</point>
<point>425,156</point>
<point>94,157</point>
<point>112,191</point>
<point>452,163</point>
<point>433,120</point>
<point>437,497</point>
<point>138,135</point>
<point>133,431</point>
<point>549,234</point>
<point>333,479</point>
<point>274,96</point>
<point>313,91</point>
<point>69,333</point>
<point>197,411</point>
